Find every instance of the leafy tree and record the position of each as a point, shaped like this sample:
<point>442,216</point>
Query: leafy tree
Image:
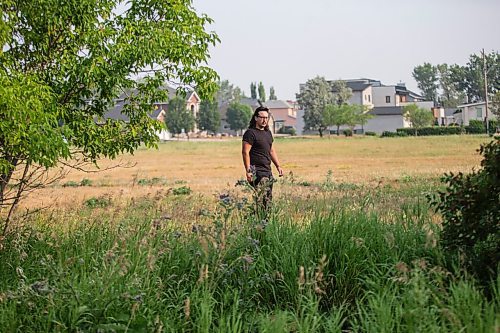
<point>362,115</point>
<point>313,97</point>
<point>238,116</point>
<point>341,92</point>
<point>473,81</point>
<point>272,94</point>
<point>253,90</point>
<point>209,116</point>
<point>262,92</point>
<point>449,79</point>
<point>178,117</point>
<point>64,63</point>
<point>427,80</point>
<point>225,92</point>
<point>418,117</point>
<point>336,115</point>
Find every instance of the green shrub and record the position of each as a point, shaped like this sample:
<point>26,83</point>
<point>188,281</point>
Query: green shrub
<point>427,131</point>
<point>183,190</point>
<point>86,182</point>
<point>479,126</point>
<point>101,202</point>
<point>287,130</point>
<point>389,134</point>
<point>470,206</point>
<point>347,132</point>
<point>370,133</point>
<point>152,181</point>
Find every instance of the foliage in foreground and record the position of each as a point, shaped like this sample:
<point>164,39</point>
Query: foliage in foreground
<point>65,63</point>
<point>470,206</point>
<point>138,270</point>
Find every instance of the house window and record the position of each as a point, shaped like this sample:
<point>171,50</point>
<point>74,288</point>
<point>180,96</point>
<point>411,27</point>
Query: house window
<point>387,99</point>
<point>369,98</point>
<point>479,113</point>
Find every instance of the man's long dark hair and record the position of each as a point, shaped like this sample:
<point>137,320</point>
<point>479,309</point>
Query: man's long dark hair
<point>255,114</point>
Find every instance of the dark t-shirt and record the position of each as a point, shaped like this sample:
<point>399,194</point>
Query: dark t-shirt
<point>260,153</point>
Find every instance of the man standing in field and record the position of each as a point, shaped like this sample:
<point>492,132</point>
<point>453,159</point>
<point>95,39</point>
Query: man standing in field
<point>258,152</point>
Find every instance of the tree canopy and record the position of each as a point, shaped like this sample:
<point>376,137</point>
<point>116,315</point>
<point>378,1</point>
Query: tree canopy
<point>238,116</point>
<point>453,84</point>
<point>313,97</point>
<point>209,116</point>
<point>64,63</point>
<point>418,117</point>
<point>178,118</point>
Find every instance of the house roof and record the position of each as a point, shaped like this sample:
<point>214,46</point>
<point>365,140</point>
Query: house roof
<point>471,104</point>
<point>387,111</point>
<point>277,104</point>
<point>116,111</point>
<point>357,85</point>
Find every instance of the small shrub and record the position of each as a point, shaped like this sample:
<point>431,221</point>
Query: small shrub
<point>101,202</point>
<point>470,206</point>
<point>86,182</point>
<point>151,181</point>
<point>184,190</point>
<point>347,132</point>
<point>389,134</point>
<point>436,130</point>
<point>370,133</point>
<point>287,130</point>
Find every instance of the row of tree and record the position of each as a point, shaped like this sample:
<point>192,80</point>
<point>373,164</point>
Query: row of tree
<point>262,92</point>
<point>451,85</point>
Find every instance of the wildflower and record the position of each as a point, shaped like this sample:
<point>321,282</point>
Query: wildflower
<point>41,287</point>
<point>138,298</point>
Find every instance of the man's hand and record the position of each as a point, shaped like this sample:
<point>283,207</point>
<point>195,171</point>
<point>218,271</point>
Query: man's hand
<point>249,177</point>
<point>280,171</point>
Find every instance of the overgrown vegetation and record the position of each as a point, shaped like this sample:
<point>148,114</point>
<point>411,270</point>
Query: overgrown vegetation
<point>345,258</point>
<point>470,206</point>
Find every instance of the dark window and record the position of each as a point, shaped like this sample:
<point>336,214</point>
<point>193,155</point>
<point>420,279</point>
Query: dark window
<point>387,99</point>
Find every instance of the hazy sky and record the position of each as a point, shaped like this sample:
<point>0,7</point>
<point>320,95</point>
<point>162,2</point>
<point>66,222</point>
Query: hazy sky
<point>286,42</point>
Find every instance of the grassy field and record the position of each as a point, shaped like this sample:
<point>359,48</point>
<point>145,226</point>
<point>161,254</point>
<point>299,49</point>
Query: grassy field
<point>214,167</point>
<point>172,245</point>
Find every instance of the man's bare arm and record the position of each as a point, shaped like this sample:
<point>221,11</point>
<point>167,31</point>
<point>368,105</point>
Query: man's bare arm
<point>245,152</point>
<point>274,158</point>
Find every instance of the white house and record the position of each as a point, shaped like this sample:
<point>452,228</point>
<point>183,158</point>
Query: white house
<point>472,111</point>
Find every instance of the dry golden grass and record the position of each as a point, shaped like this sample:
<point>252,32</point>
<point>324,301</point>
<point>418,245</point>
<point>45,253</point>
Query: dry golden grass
<point>214,166</point>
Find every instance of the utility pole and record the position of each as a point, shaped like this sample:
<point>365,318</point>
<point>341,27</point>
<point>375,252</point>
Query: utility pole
<point>485,71</point>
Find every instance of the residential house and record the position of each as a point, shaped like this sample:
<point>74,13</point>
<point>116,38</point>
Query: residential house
<point>160,108</point>
<point>472,111</point>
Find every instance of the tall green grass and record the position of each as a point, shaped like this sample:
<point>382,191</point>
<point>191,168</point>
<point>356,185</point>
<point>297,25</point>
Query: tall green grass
<point>334,262</point>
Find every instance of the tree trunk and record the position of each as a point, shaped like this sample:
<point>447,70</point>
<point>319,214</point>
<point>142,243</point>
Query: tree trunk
<point>338,130</point>
<point>320,130</point>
